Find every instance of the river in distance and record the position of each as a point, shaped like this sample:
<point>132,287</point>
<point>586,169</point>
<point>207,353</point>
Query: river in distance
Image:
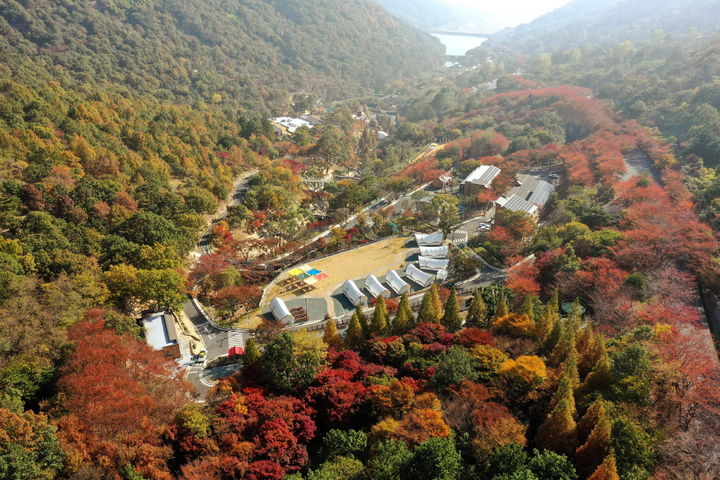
<point>458,45</point>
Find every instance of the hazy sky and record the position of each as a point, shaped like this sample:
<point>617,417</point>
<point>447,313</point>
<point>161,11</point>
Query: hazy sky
<point>510,12</point>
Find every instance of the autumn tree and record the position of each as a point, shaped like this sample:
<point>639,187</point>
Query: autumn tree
<point>404,317</point>
<point>115,388</point>
<point>355,337</point>
<point>331,337</point>
<point>451,316</point>
<point>362,318</point>
<point>607,470</point>
<point>29,448</point>
<point>478,312</point>
<point>597,445</point>
<point>558,430</point>
<point>292,360</point>
<point>514,324</point>
<point>379,320</point>
<point>445,209</point>
<point>436,302</point>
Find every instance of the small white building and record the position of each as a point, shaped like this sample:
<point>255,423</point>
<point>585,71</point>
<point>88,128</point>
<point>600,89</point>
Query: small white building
<point>442,275</point>
<point>429,239</point>
<point>435,252</point>
<point>435,264</point>
<point>160,333</point>
<point>373,285</point>
<point>398,285</point>
<point>280,311</point>
<point>353,293</point>
<point>381,135</point>
<point>423,279</point>
<point>291,124</point>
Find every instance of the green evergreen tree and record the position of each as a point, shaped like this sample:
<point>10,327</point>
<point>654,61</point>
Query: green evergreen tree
<point>355,337</point>
<point>601,374</point>
<point>252,352</point>
<point>427,311</point>
<point>404,317</point>
<point>363,320</point>
<point>477,315</point>
<point>451,317</point>
<point>501,309</point>
<point>379,321</point>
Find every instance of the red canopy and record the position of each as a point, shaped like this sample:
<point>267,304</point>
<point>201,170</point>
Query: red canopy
<point>236,351</point>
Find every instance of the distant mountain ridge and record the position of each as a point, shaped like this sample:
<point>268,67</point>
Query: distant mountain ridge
<point>245,50</point>
<point>611,21</point>
<point>433,15</point>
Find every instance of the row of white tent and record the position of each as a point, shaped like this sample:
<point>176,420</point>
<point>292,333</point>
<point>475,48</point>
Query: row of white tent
<point>394,280</point>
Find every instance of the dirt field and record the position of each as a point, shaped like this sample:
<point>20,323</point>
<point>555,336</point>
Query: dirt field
<point>377,258</point>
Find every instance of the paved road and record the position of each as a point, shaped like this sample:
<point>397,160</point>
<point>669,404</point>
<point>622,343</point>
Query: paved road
<point>235,197</point>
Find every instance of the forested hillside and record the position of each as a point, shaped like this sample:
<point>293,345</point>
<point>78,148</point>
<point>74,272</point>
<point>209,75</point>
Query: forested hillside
<point>233,52</point>
<point>610,21</point>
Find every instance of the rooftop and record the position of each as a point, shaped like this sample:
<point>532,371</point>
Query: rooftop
<point>517,204</point>
<point>483,175</point>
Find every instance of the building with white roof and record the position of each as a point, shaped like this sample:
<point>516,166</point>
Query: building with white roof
<point>160,333</point>
<point>280,311</point>
<point>479,179</point>
<point>433,263</point>
<point>373,285</point>
<point>423,279</point>
<point>398,285</point>
<point>435,252</point>
<point>291,124</point>
<point>353,293</point>
<point>429,239</point>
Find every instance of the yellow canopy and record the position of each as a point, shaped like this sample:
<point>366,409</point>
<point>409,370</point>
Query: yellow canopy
<point>295,272</point>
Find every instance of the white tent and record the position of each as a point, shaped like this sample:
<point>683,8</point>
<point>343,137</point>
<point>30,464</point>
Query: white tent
<point>442,275</point>
<point>280,311</point>
<point>433,263</point>
<point>353,293</point>
<point>418,276</point>
<point>429,239</point>
<point>376,288</point>
<point>399,285</point>
<point>435,252</point>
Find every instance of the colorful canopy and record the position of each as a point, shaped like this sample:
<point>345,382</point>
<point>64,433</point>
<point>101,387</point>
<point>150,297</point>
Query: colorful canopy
<point>295,272</point>
<point>311,280</point>
<point>321,276</point>
<point>303,276</point>
<point>306,268</point>
<point>314,271</point>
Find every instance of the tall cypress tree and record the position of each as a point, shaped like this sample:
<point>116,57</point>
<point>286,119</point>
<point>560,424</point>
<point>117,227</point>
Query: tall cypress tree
<point>404,318</point>
<point>436,302</point>
<point>570,367</point>
<point>501,309</point>
<point>586,347</point>
<point>362,318</point>
<point>355,337</point>
<point>451,317</point>
<point>607,470</point>
<point>600,376</point>
<point>558,431</point>
<point>528,307</point>
<point>427,311</point>
<point>566,343</point>
<point>597,446</point>
<point>379,321</point>
<point>331,336</point>
<point>478,311</point>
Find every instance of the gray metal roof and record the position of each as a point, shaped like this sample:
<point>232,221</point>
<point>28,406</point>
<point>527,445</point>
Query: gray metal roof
<point>517,204</point>
<point>541,193</point>
<point>483,175</point>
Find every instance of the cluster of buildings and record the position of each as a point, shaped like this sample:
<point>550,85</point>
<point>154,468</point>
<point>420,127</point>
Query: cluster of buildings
<point>529,194</point>
<point>288,125</point>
